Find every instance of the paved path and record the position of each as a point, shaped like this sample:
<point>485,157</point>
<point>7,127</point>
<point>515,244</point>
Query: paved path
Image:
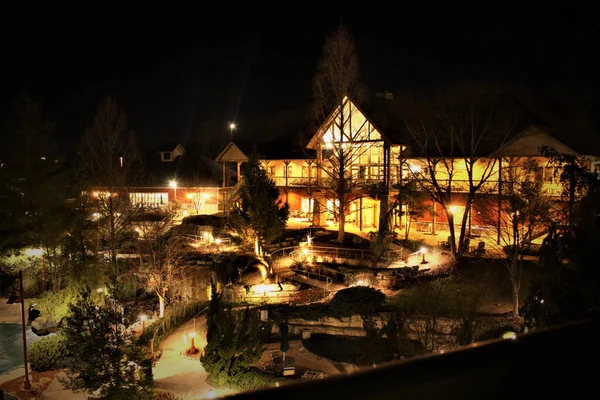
<point>56,391</point>
<point>300,358</point>
<point>178,374</point>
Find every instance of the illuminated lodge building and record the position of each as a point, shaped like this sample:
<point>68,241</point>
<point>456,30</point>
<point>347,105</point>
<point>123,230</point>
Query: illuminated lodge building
<point>364,145</point>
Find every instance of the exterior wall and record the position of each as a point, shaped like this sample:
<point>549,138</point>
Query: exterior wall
<point>190,200</point>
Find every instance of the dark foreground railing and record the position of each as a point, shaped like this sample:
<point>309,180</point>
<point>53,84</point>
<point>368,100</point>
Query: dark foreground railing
<point>561,363</point>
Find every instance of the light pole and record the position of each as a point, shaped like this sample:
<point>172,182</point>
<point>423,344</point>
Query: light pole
<point>193,349</point>
<point>423,251</point>
<point>21,299</point>
<point>143,319</point>
<point>173,184</point>
<point>231,128</point>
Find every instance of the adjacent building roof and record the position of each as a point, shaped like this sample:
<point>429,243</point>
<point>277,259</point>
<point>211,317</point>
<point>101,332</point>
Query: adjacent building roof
<point>231,153</point>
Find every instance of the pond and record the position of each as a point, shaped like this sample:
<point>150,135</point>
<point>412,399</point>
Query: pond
<point>11,346</point>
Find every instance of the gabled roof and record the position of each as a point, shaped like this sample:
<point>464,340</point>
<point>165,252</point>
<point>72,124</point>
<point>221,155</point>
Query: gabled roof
<point>231,153</point>
<point>530,143</point>
<point>369,115</point>
<point>580,141</point>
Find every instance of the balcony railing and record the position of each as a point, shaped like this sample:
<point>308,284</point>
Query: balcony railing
<point>456,185</point>
<point>294,181</point>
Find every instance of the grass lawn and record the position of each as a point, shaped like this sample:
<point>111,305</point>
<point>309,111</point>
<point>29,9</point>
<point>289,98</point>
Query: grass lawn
<point>494,276</point>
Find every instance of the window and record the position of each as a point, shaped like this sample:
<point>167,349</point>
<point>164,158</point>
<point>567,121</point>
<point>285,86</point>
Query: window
<point>271,170</point>
<point>548,174</point>
<point>362,172</point>
<point>149,199</point>
<point>374,172</point>
<point>166,155</point>
<point>290,170</point>
<point>307,204</point>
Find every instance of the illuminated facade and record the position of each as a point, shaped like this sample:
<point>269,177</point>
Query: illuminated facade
<point>374,167</point>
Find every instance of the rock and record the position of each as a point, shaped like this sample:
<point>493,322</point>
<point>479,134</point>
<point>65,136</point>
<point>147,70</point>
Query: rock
<point>44,326</point>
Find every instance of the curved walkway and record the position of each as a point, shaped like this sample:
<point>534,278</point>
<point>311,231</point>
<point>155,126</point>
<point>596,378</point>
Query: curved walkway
<point>183,376</point>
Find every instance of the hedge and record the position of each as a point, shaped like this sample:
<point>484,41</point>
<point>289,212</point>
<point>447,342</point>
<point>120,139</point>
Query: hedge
<point>175,317</point>
<point>47,354</point>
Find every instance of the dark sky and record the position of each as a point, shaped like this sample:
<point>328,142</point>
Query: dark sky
<point>184,72</point>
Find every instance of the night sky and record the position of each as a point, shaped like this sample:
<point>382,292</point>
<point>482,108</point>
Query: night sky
<point>183,73</point>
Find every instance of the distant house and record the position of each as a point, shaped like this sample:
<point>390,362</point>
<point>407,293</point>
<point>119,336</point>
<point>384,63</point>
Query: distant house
<point>171,155</point>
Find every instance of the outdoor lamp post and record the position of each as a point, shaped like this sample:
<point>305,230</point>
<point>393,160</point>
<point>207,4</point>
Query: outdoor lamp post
<point>173,184</point>
<point>143,319</point>
<point>21,299</point>
<point>193,349</point>
<point>231,128</point>
<point>423,252</point>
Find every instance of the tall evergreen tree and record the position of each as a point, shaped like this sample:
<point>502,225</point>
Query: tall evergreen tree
<point>260,216</point>
<point>102,356</point>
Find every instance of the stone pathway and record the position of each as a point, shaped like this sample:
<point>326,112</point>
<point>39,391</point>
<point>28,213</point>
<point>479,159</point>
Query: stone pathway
<point>180,375</point>
<point>56,391</point>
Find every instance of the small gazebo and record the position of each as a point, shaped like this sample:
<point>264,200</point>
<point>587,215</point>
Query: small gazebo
<point>231,154</point>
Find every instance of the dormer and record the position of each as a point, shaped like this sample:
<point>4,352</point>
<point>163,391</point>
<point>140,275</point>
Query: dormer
<point>169,156</point>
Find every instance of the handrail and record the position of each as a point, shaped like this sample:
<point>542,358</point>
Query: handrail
<point>343,252</point>
<point>328,280</point>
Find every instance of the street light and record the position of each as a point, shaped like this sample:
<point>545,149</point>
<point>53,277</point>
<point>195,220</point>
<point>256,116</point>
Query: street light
<point>231,128</point>
<point>193,349</point>
<point>423,251</point>
<point>173,184</point>
<point>143,319</point>
<point>34,253</point>
<point>21,299</point>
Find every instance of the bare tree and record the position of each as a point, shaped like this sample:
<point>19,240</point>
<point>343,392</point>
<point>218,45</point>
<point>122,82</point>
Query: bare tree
<point>110,161</point>
<point>455,133</point>
<point>341,144</point>
<point>525,212</point>
<point>161,253</point>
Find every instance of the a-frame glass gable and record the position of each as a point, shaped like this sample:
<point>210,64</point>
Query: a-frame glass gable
<point>347,124</point>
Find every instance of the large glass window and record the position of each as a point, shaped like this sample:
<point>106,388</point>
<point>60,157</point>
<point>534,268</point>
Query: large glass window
<point>149,199</point>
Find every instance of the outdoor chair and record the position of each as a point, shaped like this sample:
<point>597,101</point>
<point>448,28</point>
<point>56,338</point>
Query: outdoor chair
<point>446,244</point>
<point>275,354</point>
<point>480,250</point>
<point>466,245</point>
<point>310,374</point>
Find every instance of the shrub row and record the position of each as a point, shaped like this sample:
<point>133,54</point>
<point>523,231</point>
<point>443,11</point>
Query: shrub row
<point>173,319</point>
<point>47,354</point>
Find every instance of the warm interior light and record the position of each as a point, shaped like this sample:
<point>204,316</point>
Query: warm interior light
<point>205,196</point>
<point>189,196</point>
<point>414,168</point>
